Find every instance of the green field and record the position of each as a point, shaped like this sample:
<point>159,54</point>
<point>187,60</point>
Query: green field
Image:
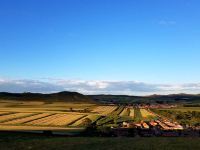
<point>184,109</point>
<point>22,141</point>
<point>138,117</point>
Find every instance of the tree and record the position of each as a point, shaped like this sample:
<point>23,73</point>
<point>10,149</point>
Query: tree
<point>71,109</point>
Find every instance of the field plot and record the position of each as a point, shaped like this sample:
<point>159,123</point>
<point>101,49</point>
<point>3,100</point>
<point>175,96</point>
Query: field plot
<point>104,110</point>
<point>56,120</point>
<point>146,114</point>
<point>26,119</point>
<point>125,112</point>
<point>5,113</point>
<point>39,128</point>
<point>13,116</point>
<point>137,115</point>
<point>117,111</point>
<point>183,109</point>
<point>132,112</point>
<point>79,122</point>
<point>35,106</point>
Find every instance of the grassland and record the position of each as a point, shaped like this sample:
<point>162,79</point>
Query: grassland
<point>138,117</point>
<point>38,106</point>
<point>184,109</point>
<point>22,115</point>
<point>22,141</point>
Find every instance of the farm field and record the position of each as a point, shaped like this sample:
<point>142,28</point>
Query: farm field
<point>184,109</point>
<point>187,116</point>
<point>137,115</point>
<point>43,107</point>
<point>38,128</point>
<point>146,114</point>
<point>125,112</point>
<point>132,112</point>
<point>58,115</point>
<point>104,110</point>
<point>79,122</point>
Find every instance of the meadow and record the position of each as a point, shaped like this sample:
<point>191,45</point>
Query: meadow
<point>23,141</point>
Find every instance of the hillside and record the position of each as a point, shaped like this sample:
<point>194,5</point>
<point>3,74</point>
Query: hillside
<point>80,98</point>
<point>173,98</point>
<point>53,97</point>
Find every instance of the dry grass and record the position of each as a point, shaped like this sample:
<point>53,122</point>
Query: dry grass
<point>55,120</point>
<point>26,119</point>
<point>124,112</point>
<point>145,113</point>
<point>104,110</point>
<point>13,116</point>
<point>132,112</point>
<point>93,118</point>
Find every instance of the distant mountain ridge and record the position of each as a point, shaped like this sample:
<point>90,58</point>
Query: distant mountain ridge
<point>76,97</point>
<point>64,96</point>
<point>151,98</point>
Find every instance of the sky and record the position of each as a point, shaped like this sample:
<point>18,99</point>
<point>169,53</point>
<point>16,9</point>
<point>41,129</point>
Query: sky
<point>135,47</point>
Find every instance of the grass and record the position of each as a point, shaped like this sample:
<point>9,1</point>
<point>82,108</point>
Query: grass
<point>183,109</point>
<point>138,116</point>
<point>39,106</point>
<point>23,141</point>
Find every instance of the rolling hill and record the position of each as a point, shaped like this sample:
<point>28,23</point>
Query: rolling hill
<point>53,97</point>
<point>173,98</point>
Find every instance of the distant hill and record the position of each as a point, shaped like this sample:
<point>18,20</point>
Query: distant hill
<point>80,98</point>
<point>53,97</point>
<point>173,98</point>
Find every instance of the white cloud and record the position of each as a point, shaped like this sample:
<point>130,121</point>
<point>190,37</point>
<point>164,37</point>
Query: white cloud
<point>96,87</point>
<point>167,22</point>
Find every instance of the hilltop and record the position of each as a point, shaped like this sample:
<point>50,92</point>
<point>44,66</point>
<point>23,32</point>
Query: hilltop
<point>64,96</point>
<point>76,97</point>
<point>172,98</point>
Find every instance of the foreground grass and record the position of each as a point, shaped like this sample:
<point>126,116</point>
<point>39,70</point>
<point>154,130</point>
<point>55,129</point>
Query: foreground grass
<point>22,141</point>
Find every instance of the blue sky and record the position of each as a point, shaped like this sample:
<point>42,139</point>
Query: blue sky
<point>153,42</point>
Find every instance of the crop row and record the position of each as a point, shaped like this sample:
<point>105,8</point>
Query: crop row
<point>117,111</point>
<point>27,119</point>
<point>55,120</point>
<point>104,110</point>
<point>146,114</point>
<point>125,112</point>
<point>5,113</point>
<point>10,117</point>
<point>132,112</point>
<point>79,122</point>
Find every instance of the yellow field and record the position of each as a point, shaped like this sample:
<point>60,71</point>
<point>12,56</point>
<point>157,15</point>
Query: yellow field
<point>34,106</point>
<point>41,114</point>
<point>124,112</point>
<point>132,112</point>
<point>104,110</point>
<point>4,118</point>
<point>55,120</point>
<point>38,115</point>
<point>26,119</point>
<point>36,128</point>
<point>5,113</point>
<point>93,118</point>
<point>145,113</point>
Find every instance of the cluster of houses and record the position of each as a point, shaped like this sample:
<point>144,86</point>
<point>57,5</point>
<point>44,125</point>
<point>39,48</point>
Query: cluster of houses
<point>163,125</point>
<point>154,128</point>
<point>156,106</point>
